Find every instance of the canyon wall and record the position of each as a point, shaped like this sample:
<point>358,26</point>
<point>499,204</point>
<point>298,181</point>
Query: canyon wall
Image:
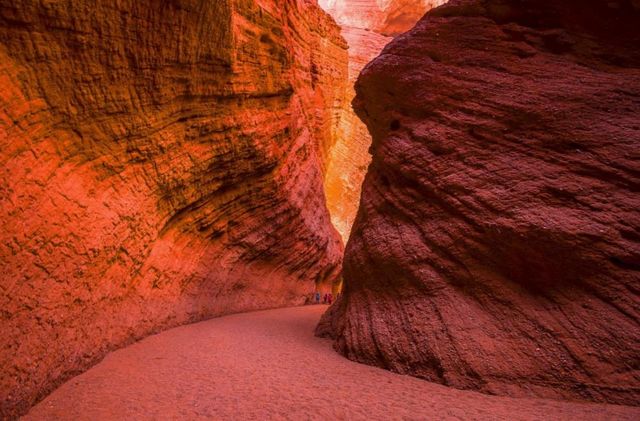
<point>362,23</point>
<point>497,246</point>
<point>162,162</point>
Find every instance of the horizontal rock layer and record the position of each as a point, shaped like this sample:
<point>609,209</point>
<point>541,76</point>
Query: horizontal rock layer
<point>161,162</point>
<point>497,246</point>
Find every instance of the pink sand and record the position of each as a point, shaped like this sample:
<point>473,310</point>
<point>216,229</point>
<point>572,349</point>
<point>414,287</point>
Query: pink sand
<point>268,365</point>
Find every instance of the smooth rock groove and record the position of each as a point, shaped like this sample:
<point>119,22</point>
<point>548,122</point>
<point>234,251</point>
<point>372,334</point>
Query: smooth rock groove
<point>161,162</point>
<point>268,365</point>
<point>497,245</point>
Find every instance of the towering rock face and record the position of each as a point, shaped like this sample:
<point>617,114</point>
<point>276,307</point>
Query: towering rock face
<point>363,24</point>
<point>161,162</point>
<point>497,246</point>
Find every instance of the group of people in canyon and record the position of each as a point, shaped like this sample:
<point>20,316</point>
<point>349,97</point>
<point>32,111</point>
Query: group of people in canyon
<point>327,298</point>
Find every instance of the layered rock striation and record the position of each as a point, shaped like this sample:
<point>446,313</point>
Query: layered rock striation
<point>161,162</point>
<point>497,245</point>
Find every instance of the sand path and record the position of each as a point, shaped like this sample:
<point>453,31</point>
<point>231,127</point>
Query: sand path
<point>268,365</point>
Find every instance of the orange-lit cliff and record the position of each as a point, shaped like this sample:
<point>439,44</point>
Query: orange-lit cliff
<point>162,162</point>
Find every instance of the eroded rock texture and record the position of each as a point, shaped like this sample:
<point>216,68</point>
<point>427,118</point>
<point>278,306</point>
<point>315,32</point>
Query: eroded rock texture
<point>363,28</point>
<point>162,162</point>
<point>497,246</point>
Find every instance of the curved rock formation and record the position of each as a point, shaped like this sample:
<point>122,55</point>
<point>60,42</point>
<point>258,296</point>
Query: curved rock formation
<point>497,246</point>
<point>162,162</point>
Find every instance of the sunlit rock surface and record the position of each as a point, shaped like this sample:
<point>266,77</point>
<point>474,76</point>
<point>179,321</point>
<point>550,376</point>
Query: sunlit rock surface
<point>387,17</point>
<point>349,158</point>
<point>497,247</point>
<point>161,162</point>
<point>364,25</point>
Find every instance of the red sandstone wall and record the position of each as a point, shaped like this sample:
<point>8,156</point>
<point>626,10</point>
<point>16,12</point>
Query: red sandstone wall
<point>497,246</point>
<point>161,162</point>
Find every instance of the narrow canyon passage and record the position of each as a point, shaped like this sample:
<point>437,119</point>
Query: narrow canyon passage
<point>465,173</point>
<point>268,365</point>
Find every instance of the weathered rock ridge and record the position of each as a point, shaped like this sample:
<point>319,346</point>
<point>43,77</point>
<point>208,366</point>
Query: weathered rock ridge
<point>362,24</point>
<point>162,162</point>
<point>497,245</point>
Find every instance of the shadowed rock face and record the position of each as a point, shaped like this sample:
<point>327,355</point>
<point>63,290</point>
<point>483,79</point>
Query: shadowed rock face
<point>497,246</point>
<point>161,162</point>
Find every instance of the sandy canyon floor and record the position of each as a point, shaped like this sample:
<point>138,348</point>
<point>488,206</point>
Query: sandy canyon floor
<point>269,365</point>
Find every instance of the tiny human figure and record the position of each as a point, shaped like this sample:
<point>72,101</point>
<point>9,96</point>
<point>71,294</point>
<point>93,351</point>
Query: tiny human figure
<point>318,297</point>
<point>330,298</point>
<point>324,299</point>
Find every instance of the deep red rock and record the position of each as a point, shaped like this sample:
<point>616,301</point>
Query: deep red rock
<point>497,246</point>
<point>161,162</point>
